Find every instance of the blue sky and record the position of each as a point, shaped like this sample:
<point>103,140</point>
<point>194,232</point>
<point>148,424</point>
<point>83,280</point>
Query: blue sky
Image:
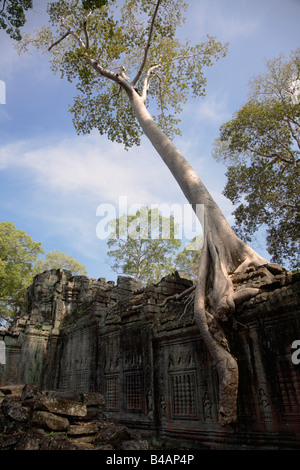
<point>52,181</point>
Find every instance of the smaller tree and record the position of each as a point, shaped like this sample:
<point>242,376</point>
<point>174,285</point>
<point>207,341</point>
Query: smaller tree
<point>187,261</point>
<point>19,263</point>
<point>18,254</point>
<point>56,260</point>
<point>143,245</point>
<point>261,147</point>
<point>12,16</point>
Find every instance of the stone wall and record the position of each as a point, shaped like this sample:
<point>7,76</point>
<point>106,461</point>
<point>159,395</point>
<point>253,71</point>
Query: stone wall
<point>146,356</point>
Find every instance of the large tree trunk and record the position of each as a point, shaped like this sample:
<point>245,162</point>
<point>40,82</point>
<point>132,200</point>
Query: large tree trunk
<point>223,254</point>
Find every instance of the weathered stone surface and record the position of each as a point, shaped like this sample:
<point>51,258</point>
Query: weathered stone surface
<point>93,399</point>
<point>44,419</point>
<point>60,443</point>
<point>82,429</point>
<point>88,439</point>
<point>60,406</point>
<point>15,411</point>
<point>113,434</point>
<point>70,395</point>
<point>29,392</point>
<point>141,444</point>
<point>143,353</point>
<point>12,390</point>
<point>37,439</point>
<point>44,430</point>
<point>9,441</point>
<point>33,439</point>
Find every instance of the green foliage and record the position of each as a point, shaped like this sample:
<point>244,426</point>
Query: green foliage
<point>187,261</point>
<point>12,16</point>
<point>143,245</point>
<point>18,253</point>
<point>261,148</point>
<point>55,260</point>
<point>19,263</point>
<point>135,39</point>
<point>92,4</point>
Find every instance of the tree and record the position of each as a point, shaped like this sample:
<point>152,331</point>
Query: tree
<point>187,260</point>
<point>18,253</point>
<point>12,16</point>
<point>122,62</point>
<point>261,147</point>
<point>143,245</point>
<point>58,260</point>
<point>19,264</point>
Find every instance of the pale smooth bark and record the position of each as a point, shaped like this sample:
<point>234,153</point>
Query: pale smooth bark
<point>223,253</point>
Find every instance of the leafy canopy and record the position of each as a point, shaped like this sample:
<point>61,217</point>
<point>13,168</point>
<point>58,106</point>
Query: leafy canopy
<point>261,148</point>
<point>20,261</point>
<point>58,260</point>
<point>143,245</point>
<point>135,40</point>
<point>12,16</point>
<point>18,253</point>
<point>187,261</point>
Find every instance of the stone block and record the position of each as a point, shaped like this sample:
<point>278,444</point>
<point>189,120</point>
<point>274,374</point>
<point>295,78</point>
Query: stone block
<point>60,443</point>
<point>62,407</point>
<point>33,439</point>
<point>82,429</point>
<point>14,410</point>
<point>38,439</point>
<point>29,392</point>
<point>12,390</point>
<point>140,444</point>
<point>83,439</point>
<point>70,395</point>
<point>113,434</point>
<point>44,419</point>
<point>9,442</point>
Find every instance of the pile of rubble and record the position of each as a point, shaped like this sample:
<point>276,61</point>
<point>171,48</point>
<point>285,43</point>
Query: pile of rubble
<point>59,420</point>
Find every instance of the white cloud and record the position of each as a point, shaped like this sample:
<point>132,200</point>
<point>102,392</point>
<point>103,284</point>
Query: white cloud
<point>93,168</point>
<point>213,108</point>
<point>62,183</point>
<point>90,171</point>
<point>227,20</point>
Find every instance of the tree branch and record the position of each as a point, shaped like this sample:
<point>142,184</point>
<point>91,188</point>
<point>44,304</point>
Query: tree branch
<point>4,2</point>
<point>59,40</point>
<point>147,45</point>
<point>295,137</point>
<point>147,82</point>
<point>117,78</point>
<point>87,38</point>
<point>283,145</point>
<point>274,156</point>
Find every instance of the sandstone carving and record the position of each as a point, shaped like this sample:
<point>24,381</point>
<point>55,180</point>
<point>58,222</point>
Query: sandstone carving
<point>90,350</point>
